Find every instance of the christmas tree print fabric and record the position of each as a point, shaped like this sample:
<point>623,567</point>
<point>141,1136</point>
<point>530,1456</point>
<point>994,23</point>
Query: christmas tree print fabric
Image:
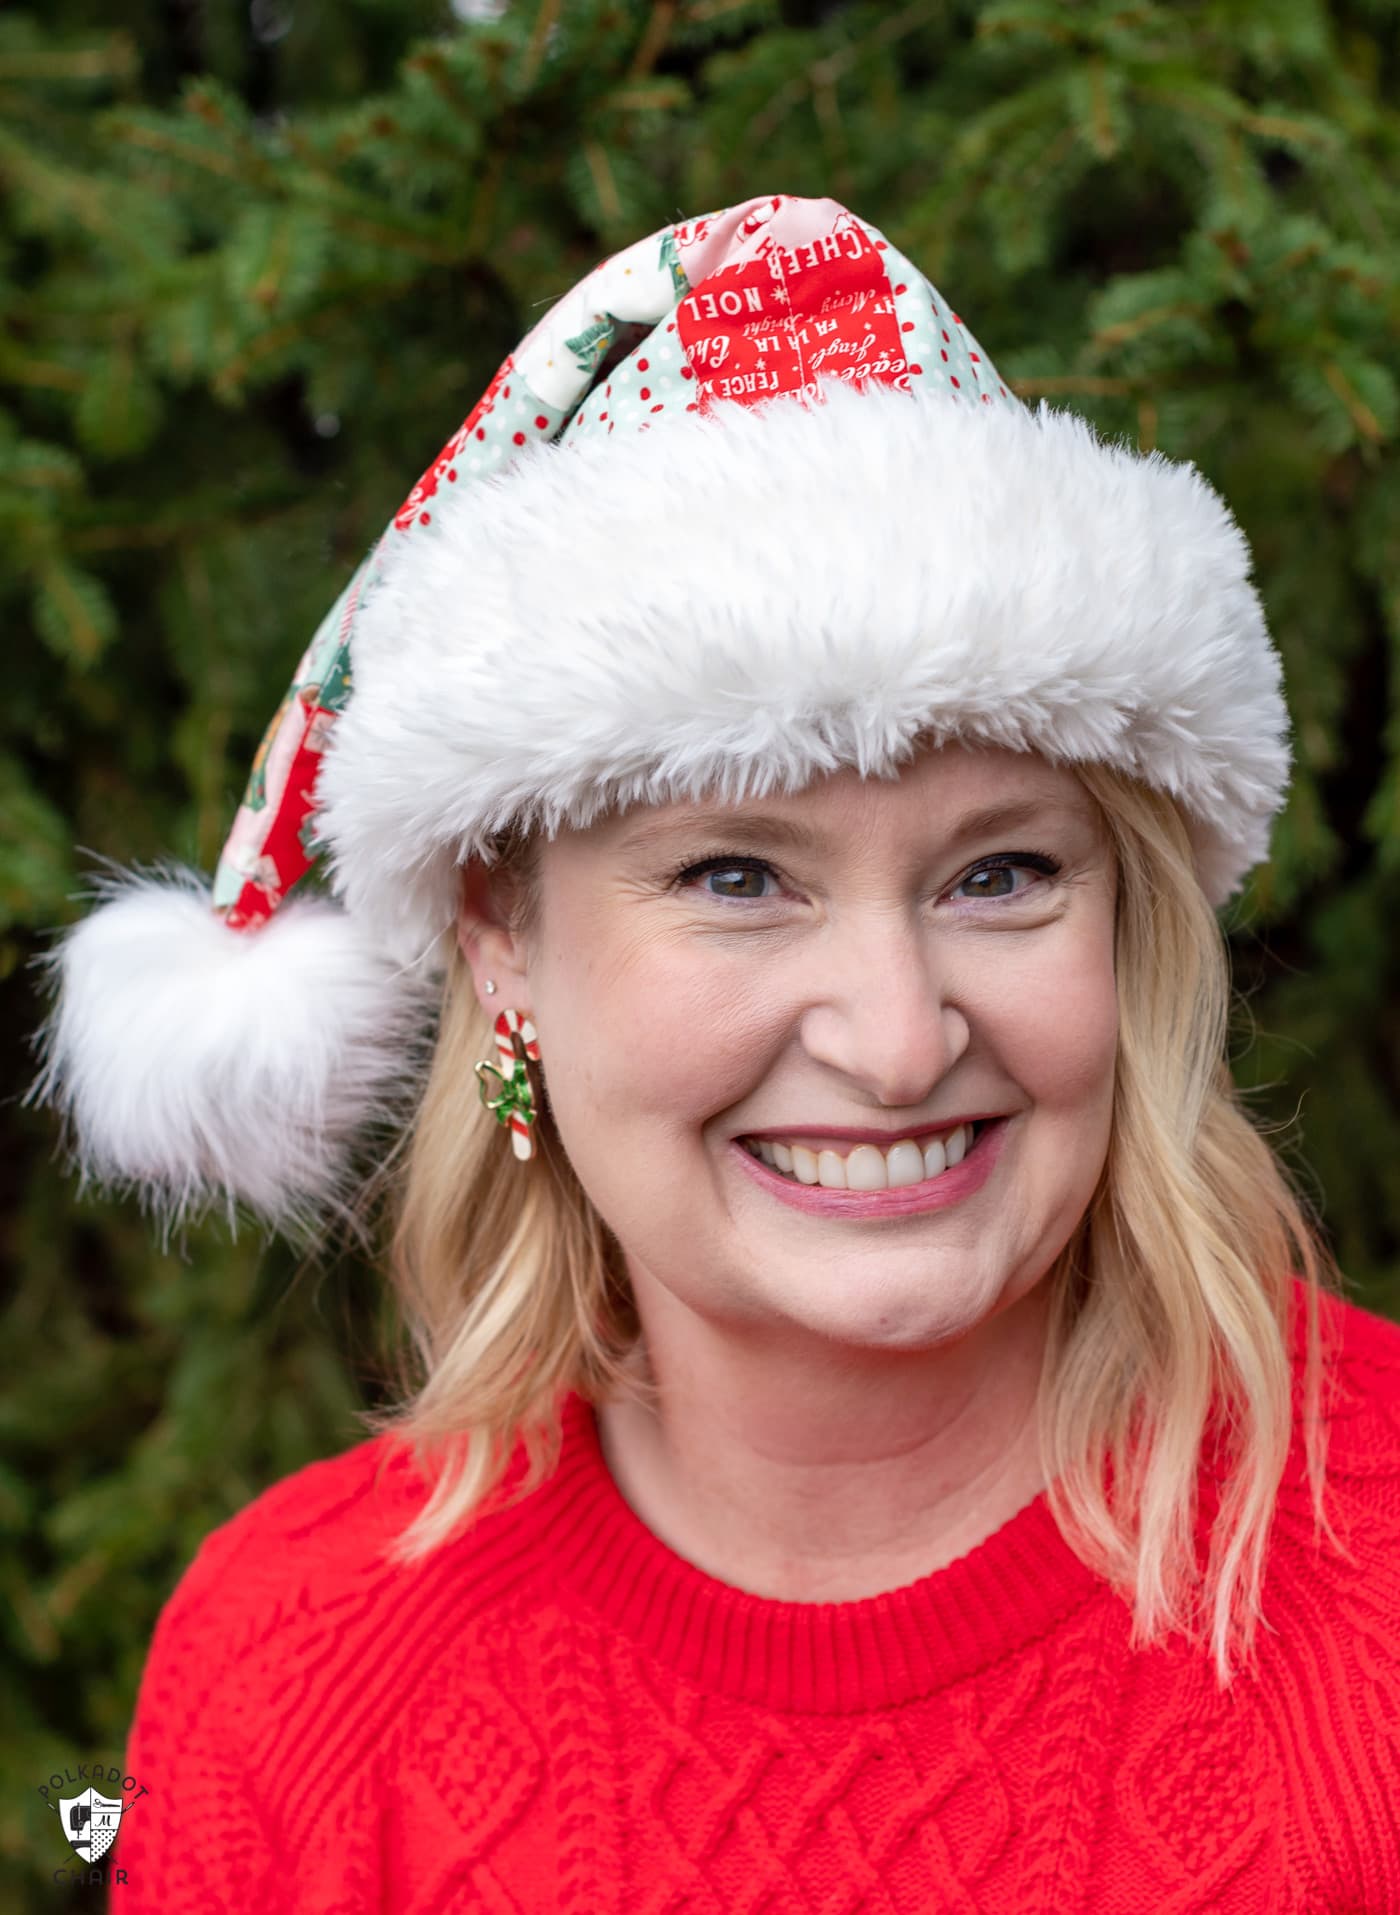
<point>762,300</point>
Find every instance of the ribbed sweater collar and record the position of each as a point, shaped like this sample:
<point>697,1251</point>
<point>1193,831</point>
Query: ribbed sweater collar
<point>1015,1588</point>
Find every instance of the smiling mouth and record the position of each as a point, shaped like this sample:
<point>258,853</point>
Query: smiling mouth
<point>865,1166</point>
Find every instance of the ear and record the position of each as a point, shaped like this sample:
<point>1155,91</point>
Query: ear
<point>486,941</point>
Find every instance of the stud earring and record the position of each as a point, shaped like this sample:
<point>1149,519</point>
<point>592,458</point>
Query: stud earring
<point>490,987</point>
<point>514,1102</point>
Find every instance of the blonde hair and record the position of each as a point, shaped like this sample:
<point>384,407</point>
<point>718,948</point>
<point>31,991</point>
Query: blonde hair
<point>1170,1301</point>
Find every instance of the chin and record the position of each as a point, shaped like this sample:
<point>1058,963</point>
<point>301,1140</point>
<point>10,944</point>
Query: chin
<point>906,1304</point>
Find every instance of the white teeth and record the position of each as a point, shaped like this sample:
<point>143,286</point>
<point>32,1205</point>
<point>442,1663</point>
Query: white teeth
<point>831,1170</point>
<point>867,1167</point>
<point>905,1165</point>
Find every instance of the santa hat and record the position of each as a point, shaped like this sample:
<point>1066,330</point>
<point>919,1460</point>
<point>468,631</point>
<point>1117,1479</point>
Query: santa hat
<point>574,612</point>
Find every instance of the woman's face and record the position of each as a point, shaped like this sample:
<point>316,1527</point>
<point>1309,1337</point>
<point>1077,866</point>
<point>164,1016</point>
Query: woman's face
<point>884,956</point>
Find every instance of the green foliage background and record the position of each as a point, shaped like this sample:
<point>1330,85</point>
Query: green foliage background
<point>256,261</point>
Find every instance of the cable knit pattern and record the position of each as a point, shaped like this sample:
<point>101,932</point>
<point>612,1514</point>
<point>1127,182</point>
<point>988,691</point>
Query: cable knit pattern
<point>558,1713</point>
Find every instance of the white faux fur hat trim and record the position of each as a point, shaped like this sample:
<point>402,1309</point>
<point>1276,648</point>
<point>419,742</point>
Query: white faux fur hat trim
<point>196,1064</point>
<point>744,599</point>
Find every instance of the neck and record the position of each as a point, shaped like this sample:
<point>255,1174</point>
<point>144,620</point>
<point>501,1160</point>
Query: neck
<point>832,1486</point>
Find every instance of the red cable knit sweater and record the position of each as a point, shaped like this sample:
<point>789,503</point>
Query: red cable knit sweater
<point>558,1713</point>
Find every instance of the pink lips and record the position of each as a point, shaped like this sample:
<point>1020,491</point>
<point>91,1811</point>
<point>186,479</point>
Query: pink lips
<point>934,1193</point>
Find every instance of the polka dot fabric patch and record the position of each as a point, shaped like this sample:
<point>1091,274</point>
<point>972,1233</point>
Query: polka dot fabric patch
<point>938,346</point>
<point>642,388</point>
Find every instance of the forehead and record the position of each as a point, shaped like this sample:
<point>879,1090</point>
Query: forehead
<point>955,789</point>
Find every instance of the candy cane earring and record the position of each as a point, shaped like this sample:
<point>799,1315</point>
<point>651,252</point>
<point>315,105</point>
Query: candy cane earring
<point>514,1102</point>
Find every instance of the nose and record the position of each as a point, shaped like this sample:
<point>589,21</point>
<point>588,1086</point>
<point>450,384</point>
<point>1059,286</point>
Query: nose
<point>885,1009</point>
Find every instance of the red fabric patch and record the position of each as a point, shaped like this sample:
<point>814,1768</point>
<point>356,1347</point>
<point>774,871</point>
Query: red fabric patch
<point>284,848</point>
<point>793,316</point>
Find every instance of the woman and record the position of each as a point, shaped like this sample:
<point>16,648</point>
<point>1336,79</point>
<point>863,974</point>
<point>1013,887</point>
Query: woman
<point>883,1438</point>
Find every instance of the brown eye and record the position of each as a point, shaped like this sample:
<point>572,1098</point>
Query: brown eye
<point>743,872</point>
<point>752,879</point>
<point>996,883</point>
<point>992,880</point>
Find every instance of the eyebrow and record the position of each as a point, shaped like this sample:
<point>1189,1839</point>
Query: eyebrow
<point>760,827</point>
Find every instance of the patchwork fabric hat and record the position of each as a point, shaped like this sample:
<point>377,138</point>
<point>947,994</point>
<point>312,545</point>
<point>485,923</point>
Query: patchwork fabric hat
<point>749,504</point>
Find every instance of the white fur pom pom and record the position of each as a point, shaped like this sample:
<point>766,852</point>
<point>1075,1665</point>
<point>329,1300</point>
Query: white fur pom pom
<point>197,1063</point>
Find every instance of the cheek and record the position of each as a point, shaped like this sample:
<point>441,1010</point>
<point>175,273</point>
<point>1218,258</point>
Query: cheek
<point>645,1035</point>
<point>1057,1033</point>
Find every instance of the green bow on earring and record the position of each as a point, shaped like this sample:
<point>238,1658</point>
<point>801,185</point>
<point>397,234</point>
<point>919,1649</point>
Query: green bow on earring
<point>515,1093</point>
